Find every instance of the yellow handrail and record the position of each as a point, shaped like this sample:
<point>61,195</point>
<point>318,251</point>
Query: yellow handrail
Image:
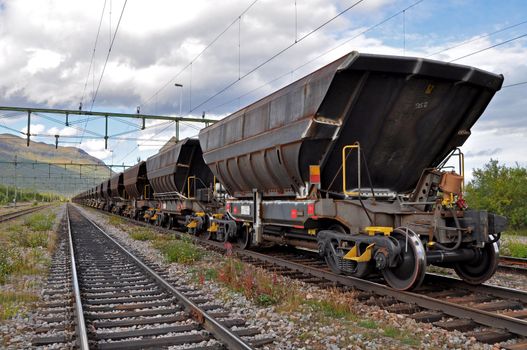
<point>356,146</point>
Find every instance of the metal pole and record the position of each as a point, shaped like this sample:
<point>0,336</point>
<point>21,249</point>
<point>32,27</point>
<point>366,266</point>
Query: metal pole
<point>15,180</point>
<point>106,133</point>
<point>28,126</point>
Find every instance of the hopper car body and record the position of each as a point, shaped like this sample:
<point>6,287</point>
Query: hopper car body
<point>349,161</point>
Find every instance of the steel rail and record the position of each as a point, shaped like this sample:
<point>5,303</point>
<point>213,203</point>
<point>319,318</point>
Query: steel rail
<point>513,260</point>
<point>14,215</point>
<point>81,324</point>
<point>231,340</point>
<point>513,265</point>
<point>511,324</point>
<point>498,291</point>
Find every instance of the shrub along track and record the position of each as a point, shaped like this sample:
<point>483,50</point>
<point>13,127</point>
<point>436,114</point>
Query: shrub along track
<point>491,314</point>
<point>128,304</point>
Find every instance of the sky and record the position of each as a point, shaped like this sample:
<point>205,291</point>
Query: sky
<point>52,57</point>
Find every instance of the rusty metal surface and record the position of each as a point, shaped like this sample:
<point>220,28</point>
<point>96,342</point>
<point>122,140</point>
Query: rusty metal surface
<point>135,179</point>
<point>106,190</point>
<point>168,170</point>
<point>407,113</point>
<point>117,186</point>
<point>99,193</point>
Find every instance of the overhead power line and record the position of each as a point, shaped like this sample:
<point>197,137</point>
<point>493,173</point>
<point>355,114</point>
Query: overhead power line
<point>277,54</point>
<point>514,84</point>
<point>490,47</point>
<point>169,82</point>
<point>93,53</point>
<point>108,55</point>
<point>476,38</point>
<point>324,53</point>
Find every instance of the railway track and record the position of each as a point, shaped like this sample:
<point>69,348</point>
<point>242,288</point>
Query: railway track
<point>490,314</point>
<point>513,265</point>
<point>14,215</point>
<point>122,302</point>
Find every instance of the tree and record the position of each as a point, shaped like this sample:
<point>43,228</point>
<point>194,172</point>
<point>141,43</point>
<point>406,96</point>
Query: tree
<point>501,190</point>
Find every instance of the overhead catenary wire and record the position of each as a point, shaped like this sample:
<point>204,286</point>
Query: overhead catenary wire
<point>489,47</point>
<point>322,54</point>
<point>277,54</point>
<point>108,55</point>
<point>105,63</point>
<point>514,84</point>
<point>479,37</point>
<point>93,53</point>
<point>169,82</point>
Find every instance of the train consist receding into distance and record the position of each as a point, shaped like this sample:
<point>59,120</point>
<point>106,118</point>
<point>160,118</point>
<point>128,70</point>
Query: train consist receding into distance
<point>349,161</point>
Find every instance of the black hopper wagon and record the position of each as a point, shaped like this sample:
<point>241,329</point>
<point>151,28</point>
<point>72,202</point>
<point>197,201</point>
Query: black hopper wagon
<point>349,161</point>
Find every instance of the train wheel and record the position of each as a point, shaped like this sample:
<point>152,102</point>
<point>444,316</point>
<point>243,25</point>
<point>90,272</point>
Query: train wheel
<point>480,268</point>
<point>244,238</point>
<point>332,259</point>
<point>171,222</point>
<point>206,234</point>
<point>411,270</point>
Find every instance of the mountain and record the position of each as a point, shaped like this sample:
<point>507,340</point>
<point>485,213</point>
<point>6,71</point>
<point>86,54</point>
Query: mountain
<point>76,171</point>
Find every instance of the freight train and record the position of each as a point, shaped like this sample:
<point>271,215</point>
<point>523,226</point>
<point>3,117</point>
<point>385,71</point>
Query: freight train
<point>351,161</point>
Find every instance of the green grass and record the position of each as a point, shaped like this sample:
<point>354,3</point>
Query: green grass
<point>115,220</point>
<point>398,334</point>
<point>28,239</point>
<point>181,251</point>
<point>9,259</point>
<point>370,324</point>
<point>517,232</point>
<point>331,308</point>
<point>40,221</point>
<point>10,303</point>
<point>142,234</point>
<point>513,247</point>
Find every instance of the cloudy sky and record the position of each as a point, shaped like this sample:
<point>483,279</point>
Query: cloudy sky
<point>51,56</point>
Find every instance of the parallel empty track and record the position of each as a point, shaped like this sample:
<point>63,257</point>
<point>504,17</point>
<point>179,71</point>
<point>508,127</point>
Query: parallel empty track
<point>127,304</point>
<point>21,212</point>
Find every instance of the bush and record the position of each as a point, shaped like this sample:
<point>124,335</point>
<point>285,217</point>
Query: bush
<point>501,190</point>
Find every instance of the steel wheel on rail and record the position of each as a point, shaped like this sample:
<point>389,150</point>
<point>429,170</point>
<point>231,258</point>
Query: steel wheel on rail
<point>331,258</point>
<point>244,237</point>
<point>337,264</point>
<point>411,270</point>
<point>482,267</point>
<point>171,222</point>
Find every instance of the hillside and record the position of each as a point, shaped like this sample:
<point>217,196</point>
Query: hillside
<point>65,179</point>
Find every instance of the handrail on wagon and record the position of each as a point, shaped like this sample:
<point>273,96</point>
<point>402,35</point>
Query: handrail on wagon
<point>461,163</point>
<point>345,155</point>
<point>196,179</point>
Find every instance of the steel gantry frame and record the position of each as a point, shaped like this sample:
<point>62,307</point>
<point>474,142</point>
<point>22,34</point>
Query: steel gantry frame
<point>106,115</point>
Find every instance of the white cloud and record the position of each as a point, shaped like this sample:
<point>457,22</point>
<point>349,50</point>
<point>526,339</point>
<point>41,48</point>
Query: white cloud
<point>34,129</point>
<point>40,60</point>
<point>46,47</point>
<point>95,148</point>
